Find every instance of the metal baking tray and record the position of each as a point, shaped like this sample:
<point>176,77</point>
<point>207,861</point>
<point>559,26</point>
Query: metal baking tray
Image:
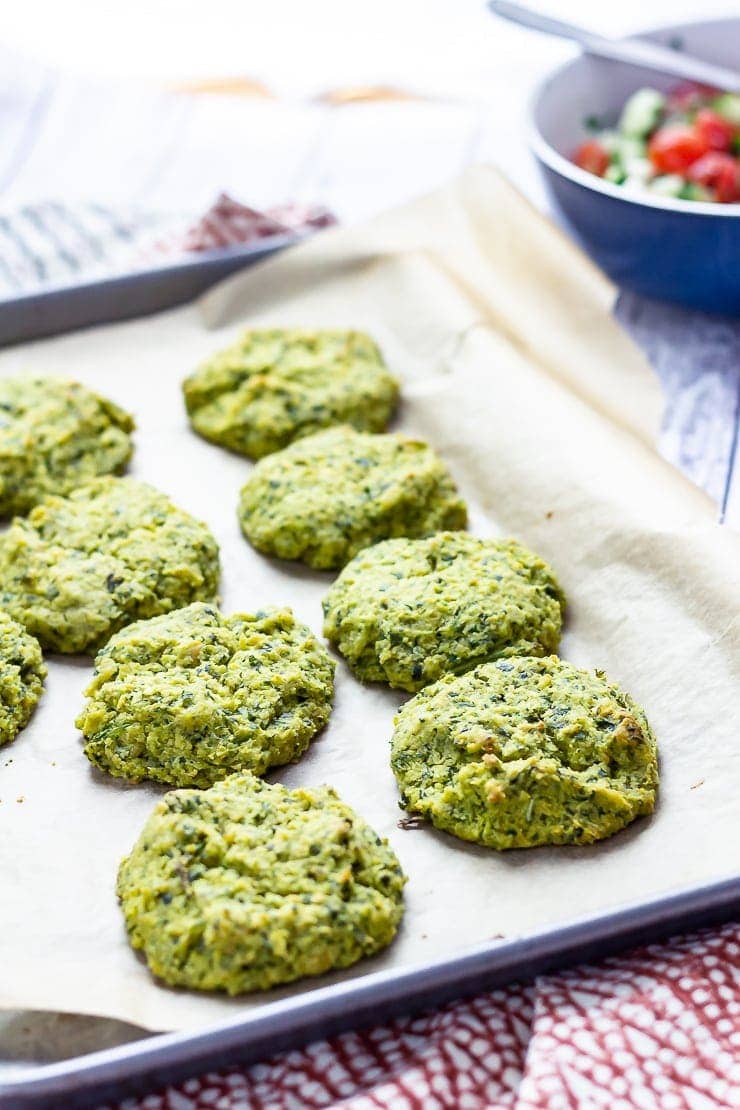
<point>153,1061</point>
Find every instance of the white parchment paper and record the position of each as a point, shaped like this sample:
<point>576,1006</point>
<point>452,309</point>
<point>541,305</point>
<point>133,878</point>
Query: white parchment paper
<point>514,370</point>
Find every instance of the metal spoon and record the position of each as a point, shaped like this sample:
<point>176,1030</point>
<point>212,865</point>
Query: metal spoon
<point>648,55</point>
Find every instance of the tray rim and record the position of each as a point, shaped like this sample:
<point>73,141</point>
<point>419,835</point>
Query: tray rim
<point>59,308</point>
<point>136,1067</point>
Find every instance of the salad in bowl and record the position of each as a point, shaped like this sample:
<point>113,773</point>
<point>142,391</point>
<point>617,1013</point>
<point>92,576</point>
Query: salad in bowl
<point>683,144</point>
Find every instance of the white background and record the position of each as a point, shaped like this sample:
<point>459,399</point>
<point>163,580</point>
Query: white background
<point>451,47</point>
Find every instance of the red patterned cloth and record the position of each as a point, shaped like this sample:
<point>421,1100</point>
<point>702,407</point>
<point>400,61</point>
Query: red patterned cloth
<point>658,1029</point>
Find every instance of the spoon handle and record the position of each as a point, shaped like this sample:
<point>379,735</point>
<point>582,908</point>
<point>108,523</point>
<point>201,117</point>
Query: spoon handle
<point>636,52</point>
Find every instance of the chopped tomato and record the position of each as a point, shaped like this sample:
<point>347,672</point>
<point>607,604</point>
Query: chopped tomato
<point>592,156</point>
<point>716,131</point>
<point>688,95</point>
<point>683,145</point>
<point>673,148</point>
<point>719,172</point>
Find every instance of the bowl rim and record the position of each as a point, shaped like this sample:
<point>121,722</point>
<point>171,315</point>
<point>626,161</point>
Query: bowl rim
<point>561,165</point>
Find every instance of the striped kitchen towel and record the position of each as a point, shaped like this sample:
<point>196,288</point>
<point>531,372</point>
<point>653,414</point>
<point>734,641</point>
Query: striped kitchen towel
<point>59,243</point>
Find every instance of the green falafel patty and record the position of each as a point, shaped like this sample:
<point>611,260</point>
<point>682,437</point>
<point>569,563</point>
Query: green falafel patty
<point>406,612</point>
<point>192,696</point>
<point>56,435</point>
<point>247,885</point>
<point>276,384</point>
<point>326,497</point>
<point>78,568</point>
<point>524,752</point>
<point>22,674</point>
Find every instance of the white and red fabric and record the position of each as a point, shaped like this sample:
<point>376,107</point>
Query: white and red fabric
<point>656,1029</point>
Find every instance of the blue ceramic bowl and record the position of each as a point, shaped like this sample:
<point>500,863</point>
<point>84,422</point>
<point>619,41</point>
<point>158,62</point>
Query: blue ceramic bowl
<point>675,250</point>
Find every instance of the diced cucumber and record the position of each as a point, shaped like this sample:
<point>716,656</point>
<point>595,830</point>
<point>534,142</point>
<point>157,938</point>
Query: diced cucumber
<point>668,185</point>
<point>610,140</point>
<point>627,155</point>
<point>691,191</point>
<point>631,148</point>
<point>728,106</point>
<point>638,170</point>
<point>615,174</point>
<point>641,113</point>
<point>673,185</point>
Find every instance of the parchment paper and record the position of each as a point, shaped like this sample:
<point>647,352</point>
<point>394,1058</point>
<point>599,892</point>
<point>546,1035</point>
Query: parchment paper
<point>514,370</point>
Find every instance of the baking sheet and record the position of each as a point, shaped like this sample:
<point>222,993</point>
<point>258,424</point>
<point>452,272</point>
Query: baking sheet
<point>513,368</point>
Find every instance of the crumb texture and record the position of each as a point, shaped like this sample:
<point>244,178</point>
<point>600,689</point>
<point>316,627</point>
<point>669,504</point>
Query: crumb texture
<point>22,674</point>
<point>246,885</point>
<point>55,435</point>
<point>116,550</point>
<point>328,496</point>
<point>189,697</point>
<point>274,385</point>
<point>406,612</point>
<point>525,752</point>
